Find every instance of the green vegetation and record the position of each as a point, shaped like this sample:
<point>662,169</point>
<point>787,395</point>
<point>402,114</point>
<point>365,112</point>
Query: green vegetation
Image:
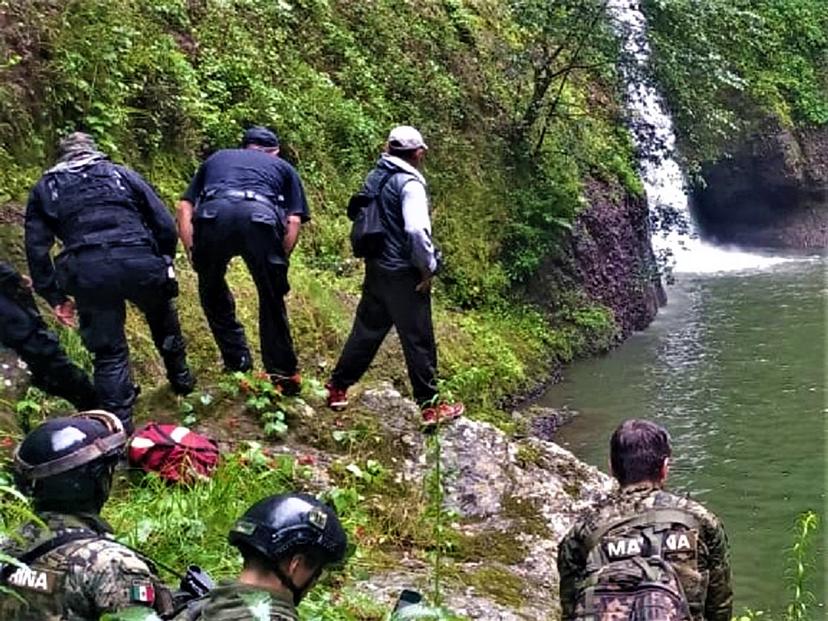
<point>188,524</point>
<point>517,100</point>
<point>801,606</point>
<point>727,67</point>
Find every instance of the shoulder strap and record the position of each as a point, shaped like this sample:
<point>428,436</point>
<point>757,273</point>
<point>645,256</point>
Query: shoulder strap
<point>385,180</point>
<point>60,539</point>
<point>651,516</point>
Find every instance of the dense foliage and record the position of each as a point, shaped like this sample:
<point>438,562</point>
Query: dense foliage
<point>728,66</point>
<point>503,92</point>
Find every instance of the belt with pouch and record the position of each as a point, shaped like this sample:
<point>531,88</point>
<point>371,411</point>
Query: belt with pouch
<point>246,195</point>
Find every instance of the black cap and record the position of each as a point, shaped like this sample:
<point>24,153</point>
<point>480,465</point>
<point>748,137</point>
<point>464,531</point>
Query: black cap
<point>260,136</point>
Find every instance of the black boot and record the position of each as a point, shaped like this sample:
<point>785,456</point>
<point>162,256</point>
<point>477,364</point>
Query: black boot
<point>181,379</point>
<point>242,363</point>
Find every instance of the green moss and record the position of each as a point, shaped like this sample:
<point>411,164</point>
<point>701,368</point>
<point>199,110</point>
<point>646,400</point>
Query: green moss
<point>502,547</point>
<point>526,515</point>
<point>498,583</point>
<point>528,455</point>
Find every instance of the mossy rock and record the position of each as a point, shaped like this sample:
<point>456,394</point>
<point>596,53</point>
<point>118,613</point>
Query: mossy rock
<point>500,546</point>
<point>526,514</point>
<point>498,583</point>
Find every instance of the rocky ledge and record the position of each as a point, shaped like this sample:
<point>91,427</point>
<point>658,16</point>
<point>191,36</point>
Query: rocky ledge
<point>508,500</point>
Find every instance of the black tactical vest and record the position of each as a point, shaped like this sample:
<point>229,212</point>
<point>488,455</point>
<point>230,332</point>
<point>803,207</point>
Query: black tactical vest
<point>95,206</point>
<point>396,254</point>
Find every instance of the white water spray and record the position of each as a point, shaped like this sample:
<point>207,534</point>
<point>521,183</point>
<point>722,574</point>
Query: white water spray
<point>663,179</point>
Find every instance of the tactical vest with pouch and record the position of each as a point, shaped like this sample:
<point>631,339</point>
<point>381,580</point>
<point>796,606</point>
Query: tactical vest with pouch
<point>629,574</point>
<point>36,588</point>
<point>96,206</point>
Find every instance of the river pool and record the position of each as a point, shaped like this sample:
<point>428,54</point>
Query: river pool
<point>735,367</point>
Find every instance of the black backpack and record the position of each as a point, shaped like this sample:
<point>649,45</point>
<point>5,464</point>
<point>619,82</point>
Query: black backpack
<point>368,229</point>
<point>628,578</point>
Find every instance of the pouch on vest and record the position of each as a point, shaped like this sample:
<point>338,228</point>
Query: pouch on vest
<point>628,578</point>
<point>368,230</point>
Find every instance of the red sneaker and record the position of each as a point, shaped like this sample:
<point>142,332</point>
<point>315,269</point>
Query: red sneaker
<point>289,386</point>
<point>337,397</point>
<point>442,413</point>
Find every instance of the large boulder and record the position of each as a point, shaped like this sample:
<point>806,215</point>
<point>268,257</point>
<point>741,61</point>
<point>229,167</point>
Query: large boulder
<point>508,502</point>
<point>771,192</point>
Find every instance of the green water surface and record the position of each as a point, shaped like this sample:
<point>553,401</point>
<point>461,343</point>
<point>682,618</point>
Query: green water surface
<point>735,368</point>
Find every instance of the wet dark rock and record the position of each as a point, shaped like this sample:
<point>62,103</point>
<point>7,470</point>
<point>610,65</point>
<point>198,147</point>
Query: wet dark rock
<point>609,256</point>
<point>771,192</point>
<point>545,422</point>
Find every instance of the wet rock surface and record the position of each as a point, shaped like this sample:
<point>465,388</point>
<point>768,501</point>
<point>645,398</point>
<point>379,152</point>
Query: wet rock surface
<point>609,256</point>
<point>772,191</point>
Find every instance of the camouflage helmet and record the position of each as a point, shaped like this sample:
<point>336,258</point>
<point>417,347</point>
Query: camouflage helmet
<point>68,462</point>
<point>279,525</point>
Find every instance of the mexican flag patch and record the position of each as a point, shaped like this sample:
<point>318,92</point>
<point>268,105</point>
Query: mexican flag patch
<point>142,592</point>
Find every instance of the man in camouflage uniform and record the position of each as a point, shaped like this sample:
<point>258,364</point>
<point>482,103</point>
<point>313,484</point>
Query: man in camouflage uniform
<point>286,542</point>
<point>71,569</point>
<point>639,457</point>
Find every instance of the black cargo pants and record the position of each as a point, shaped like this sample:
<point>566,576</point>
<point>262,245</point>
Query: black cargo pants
<point>23,330</point>
<point>226,228</point>
<point>102,280</point>
<point>390,298</point>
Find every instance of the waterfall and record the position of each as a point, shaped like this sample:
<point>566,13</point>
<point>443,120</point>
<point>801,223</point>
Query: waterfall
<point>663,178</point>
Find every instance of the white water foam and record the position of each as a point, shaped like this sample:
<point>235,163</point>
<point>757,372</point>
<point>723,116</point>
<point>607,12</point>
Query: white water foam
<point>663,179</point>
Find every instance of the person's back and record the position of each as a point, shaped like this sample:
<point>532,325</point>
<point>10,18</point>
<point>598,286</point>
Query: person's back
<point>234,601</point>
<point>244,170</point>
<point>394,176</point>
<point>93,205</point>
<point>684,534</point>
<point>81,579</point>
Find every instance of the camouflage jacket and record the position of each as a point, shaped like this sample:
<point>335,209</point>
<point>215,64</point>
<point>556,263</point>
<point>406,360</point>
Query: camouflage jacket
<point>704,576</point>
<point>233,601</point>
<point>79,580</point>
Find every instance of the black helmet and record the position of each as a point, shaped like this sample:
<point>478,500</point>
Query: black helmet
<point>67,463</point>
<point>279,526</point>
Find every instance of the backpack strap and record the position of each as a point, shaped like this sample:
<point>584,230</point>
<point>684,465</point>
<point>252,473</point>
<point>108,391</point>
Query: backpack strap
<point>656,515</point>
<point>62,538</point>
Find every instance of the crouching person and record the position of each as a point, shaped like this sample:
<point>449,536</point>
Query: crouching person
<point>69,567</point>
<point>286,543</point>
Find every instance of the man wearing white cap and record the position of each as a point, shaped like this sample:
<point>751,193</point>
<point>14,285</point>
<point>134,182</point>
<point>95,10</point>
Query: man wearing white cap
<point>397,286</point>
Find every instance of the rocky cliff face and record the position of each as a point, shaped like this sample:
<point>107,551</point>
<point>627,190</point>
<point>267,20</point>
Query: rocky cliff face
<point>772,192</point>
<point>608,256</point>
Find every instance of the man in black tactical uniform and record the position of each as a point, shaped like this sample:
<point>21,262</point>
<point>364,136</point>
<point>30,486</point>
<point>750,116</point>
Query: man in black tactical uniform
<point>286,542</point>
<point>23,330</point>
<point>246,202</point>
<point>72,566</point>
<point>118,245</point>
